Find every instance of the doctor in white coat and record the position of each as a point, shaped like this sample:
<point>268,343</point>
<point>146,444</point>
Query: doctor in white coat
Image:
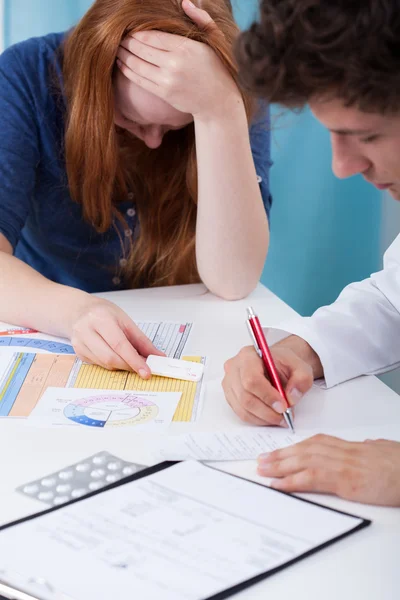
<point>296,55</point>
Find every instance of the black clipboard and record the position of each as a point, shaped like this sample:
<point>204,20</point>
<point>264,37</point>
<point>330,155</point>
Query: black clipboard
<point>229,591</point>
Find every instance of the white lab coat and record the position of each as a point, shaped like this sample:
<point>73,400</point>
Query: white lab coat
<point>359,334</point>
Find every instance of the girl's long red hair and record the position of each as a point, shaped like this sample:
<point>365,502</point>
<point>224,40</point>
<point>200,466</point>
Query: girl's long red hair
<point>103,162</point>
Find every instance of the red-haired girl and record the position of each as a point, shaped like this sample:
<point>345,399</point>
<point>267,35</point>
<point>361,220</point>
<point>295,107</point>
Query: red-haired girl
<point>126,161</point>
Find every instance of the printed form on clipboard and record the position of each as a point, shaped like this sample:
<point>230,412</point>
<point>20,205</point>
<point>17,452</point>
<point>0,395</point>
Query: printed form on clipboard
<point>182,531</point>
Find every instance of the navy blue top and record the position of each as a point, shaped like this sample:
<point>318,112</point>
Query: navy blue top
<point>44,225</point>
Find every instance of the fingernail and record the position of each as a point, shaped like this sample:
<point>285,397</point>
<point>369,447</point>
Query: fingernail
<point>190,4</point>
<point>295,396</point>
<point>277,406</point>
<point>144,374</point>
<point>275,483</point>
<point>263,457</point>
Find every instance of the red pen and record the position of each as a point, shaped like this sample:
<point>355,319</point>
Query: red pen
<point>263,351</point>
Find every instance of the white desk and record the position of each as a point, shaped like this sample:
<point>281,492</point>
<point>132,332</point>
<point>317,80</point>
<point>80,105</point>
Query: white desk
<point>364,566</point>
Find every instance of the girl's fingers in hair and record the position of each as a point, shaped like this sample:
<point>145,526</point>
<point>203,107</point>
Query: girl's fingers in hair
<point>137,65</point>
<point>142,82</point>
<point>148,53</point>
<point>198,15</point>
<point>160,39</point>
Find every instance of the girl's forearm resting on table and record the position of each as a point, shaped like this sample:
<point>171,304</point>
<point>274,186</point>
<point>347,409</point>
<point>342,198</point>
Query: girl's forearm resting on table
<point>232,234</point>
<point>29,299</point>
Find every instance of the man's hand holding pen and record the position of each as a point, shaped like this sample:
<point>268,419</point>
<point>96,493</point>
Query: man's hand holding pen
<point>251,394</point>
<point>360,471</point>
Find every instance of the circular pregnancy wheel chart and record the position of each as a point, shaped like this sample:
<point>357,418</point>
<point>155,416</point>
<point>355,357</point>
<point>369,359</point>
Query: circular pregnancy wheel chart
<point>111,411</point>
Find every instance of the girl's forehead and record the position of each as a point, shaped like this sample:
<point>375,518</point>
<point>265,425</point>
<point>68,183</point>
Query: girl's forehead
<point>145,108</point>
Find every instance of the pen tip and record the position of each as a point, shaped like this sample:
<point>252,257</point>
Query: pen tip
<point>289,420</point>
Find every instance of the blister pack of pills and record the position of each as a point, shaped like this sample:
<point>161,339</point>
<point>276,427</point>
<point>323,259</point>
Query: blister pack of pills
<point>81,478</point>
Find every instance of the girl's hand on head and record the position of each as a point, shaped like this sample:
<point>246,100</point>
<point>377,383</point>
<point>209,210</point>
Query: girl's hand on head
<point>185,73</point>
<point>102,334</point>
<point>198,16</point>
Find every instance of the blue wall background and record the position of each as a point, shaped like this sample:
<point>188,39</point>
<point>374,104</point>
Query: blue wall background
<point>28,18</point>
<point>324,232</point>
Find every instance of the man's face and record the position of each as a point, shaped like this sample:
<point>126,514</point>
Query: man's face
<point>363,143</point>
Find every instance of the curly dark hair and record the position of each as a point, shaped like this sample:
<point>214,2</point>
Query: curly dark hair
<point>303,49</point>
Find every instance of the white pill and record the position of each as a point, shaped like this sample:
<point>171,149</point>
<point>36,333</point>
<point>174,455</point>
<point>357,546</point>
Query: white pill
<point>97,473</point>
<point>63,488</point>
<point>60,499</point>
<point>79,492</point>
<point>128,471</point>
<point>114,466</point>
<point>48,481</point>
<point>65,475</point>
<point>31,489</point>
<point>111,478</point>
<point>95,485</point>
<point>83,467</point>
<point>98,460</point>
<point>45,496</point>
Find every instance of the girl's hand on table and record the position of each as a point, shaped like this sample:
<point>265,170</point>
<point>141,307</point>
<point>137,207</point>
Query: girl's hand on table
<point>103,334</point>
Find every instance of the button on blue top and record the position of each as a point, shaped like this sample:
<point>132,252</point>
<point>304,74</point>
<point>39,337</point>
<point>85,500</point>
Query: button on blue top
<point>37,215</point>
